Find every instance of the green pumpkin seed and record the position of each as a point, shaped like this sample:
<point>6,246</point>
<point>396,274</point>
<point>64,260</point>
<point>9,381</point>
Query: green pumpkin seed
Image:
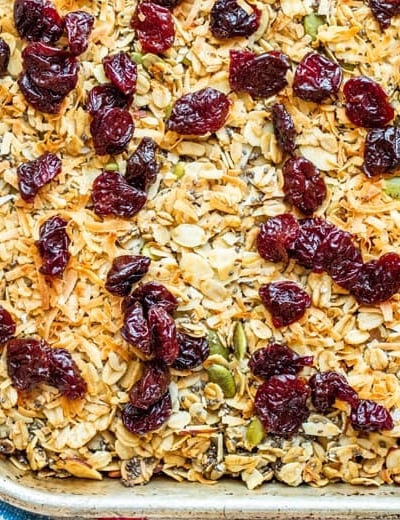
<point>222,377</point>
<point>255,432</point>
<point>179,170</point>
<point>150,59</point>
<point>137,57</point>
<point>216,347</point>
<point>311,23</point>
<point>168,110</point>
<point>239,341</point>
<point>392,187</point>
<point>111,167</point>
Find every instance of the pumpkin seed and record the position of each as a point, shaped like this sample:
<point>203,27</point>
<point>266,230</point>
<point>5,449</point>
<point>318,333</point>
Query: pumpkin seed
<point>112,166</point>
<point>392,187</point>
<point>222,377</point>
<point>255,432</point>
<point>150,59</point>
<point>137,57</point>
<point>239,341</point>
<point>216,347</point>
<point>311,23</point>
<point>179,170</point>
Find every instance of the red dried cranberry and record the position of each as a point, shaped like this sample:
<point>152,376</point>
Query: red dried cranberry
<point>261,76</point>
<point>328,386</point>
<point>78,25</point>
<point>151,386</point>
<point>7,325</point>
<point>277,359</point>
<point>154,27</point>
<point>303,185</point>
<point>170,4</point>
<point>4,56</point>
<point>382,151</point>
<point>228,19</point>
<point>163,333</point>
<point>111,131</point>
<point>369,416</point>
<point>65,375</point>
<point>104,97</point>
<point>33,175</point>
<point>121,71</point>
<point>284,130</point>
<point>378,280</point>
<point>53,246</point>
<point>112,195</point>
<point>286,301</point>
<point>312,232</point>
<point>316,78</point>
<point>192,352</point>
<point>199,112</point>
<point>38,20</point>
<point>276,236</point>
<point>41,99</point>
<point>142,166</point>
<point>136,329</point>
<point>367,103</point>
<point>149,294</point>
<point>28,362</point>
<point>384,10</point>
<point>125,271</point>
<point>281,404</point>
<point>50,68</point>
<point>141,421</point>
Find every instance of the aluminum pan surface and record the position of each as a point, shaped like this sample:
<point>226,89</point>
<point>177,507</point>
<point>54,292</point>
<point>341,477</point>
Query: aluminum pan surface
<point>167,500</point>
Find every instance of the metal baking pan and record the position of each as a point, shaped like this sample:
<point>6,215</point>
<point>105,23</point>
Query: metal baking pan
<point>168,500</point>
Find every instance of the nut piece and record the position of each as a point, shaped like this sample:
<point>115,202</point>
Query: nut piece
<point>224,378</point>
<point>137,470</point>
<point>79,468</point>
<point>239,341</point>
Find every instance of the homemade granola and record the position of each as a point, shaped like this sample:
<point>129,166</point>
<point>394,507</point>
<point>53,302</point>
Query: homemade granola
<point>199,227</point>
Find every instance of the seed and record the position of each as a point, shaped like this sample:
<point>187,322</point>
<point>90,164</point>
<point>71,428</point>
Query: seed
<point>222,377</point>
<point>137,57</point>
<point>255,432</point>
<point>311,23</point>
<point>179,170</point>
<point>216,347</point>
<point>392,187</point>
<point>239,341</point>
<point>150,59</point>
<point>112,166</point>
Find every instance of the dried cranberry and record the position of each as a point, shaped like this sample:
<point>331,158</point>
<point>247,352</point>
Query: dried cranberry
<point>384,10</point>
<point>316,78</point>
<point>378,280</point>
<point>276,236</point>
<point>170,4</point>
<point>121,71</point>
<point>277,359</point>
<point>78,25</point>
<point>284,130</point>
<point>149,294</point>
<point>192,352</point>
<point>111,131</point>
<point>112,195</point>
<point>28,362</point>
<point>7,325</point>
<point>151,387</point>
<point>281,404</point>
<point>65,375</point>
<point>142,166</point>
<point>38,20</point>
<point>141,421</point>
<point>4,56</point>
<point>382,151</point>
<point>285,300</point>
<point>53,246</point>
<point>261,76</point>
<point>303,185</point>
<point>50,68</point>
<point>33,175</point>
<point>154,27</point>
<point>136,329</point>
<point>312,232</point>
<point>104,97</point>
<point>199,112</point>
<point>41,99</point>
<point>163,333</point>
<point>228,19</point>
<point>367,103</point>
<point>125,271</point>
<point>369,416</point>
<point>328,386</point>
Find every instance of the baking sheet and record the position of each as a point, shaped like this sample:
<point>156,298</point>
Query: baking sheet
<point>164,499</point>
